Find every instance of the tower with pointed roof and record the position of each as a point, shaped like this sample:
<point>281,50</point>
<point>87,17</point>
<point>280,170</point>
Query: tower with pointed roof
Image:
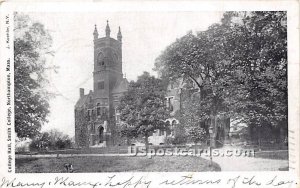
<point>97,126</point>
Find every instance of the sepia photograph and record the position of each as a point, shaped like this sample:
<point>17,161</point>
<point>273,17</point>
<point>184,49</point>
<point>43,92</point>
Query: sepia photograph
<point>150,91</point>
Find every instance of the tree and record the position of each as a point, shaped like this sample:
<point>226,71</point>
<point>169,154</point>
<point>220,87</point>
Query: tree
<point>142,107</point>
<point>257,46</point>
<point>179,135</point>
<point>41,142</point>
<point>197,134</point>
<point>52,139</point>
<point>32,44</point>
<point>194,59</point>
<point>128,132</point>
<point>238,67</point>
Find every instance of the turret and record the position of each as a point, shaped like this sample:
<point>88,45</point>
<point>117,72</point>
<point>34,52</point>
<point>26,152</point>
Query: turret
<point>95,33</point>
<point>119,35</point>
<point>107,30</point>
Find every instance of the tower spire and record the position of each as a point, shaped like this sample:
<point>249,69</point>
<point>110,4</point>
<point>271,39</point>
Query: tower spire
<point>119,35</point>
<point>95,33</point>
<point>107,29</point>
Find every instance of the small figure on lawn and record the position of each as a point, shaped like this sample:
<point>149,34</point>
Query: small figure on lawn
<point>68,167</point>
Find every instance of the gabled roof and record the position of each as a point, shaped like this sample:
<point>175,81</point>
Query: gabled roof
<point>121,86</point>
<point>83,100</point>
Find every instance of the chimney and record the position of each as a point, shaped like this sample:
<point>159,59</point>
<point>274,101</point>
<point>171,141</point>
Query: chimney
<point>81,91</point>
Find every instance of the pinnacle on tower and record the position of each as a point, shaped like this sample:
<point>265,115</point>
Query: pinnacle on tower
<point>119,35</point>
<point>95,33</point>
<point>107,30</point>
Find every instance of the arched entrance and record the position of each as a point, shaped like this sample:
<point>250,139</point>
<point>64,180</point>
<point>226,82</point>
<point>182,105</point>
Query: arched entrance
<point>101,136</point>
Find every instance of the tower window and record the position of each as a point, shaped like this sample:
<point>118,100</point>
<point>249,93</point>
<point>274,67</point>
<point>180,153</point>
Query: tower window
<point>115,58</point>
<point>101,85</point>
<point>100,59</point>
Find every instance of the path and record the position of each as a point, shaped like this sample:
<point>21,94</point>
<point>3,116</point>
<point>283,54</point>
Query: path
<point>244,163</point>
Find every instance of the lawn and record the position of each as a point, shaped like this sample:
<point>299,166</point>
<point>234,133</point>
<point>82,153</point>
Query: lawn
<point>115,164</point>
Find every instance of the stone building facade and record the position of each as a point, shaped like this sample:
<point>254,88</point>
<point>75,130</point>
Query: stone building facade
<point>95,114</point>
<point>96,117</point>
<point>177,91</point>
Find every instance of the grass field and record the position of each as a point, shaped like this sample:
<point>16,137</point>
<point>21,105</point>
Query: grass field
<point>115,164</point>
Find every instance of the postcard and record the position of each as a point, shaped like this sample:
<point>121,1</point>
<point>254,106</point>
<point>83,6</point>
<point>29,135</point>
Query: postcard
<point>149,94</point>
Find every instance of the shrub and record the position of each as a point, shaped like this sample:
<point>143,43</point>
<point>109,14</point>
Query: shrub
<point>197,134</point>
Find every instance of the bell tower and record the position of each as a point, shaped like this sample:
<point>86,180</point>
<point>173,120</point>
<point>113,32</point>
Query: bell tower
<point>107,67</point>
<point>97,108</point>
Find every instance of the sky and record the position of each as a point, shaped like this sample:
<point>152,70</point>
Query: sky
<point>145,36</point>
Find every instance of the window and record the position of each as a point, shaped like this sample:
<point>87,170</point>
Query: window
<point>115,58</point>
<point>159,132</point>
<point>116,103</point>
<point>89,115</point>
<point>92,128</point>
<point>100,59</point>
<point>117,112</point>
<point>98,109</point>
<point>117,118</point>
<point>166,102</point>
<point>169,103</point>
<point>104,110</point>
<point>101,85</point>
<point>105,102</point>
<point>173,123</point>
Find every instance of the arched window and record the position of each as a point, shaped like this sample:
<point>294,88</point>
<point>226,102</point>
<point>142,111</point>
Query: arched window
<point>115,58</point>
<point>100,59</point>
<point>168,128</point>
<point>173,122</point>
<point>101,136</point>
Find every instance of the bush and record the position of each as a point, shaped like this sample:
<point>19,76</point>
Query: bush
<point>50,141</point>
<point>179,137</point>
<point>63,144</point>
<point>197,134</point>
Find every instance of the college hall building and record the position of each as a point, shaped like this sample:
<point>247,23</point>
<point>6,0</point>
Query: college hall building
<point>96,117</point>
<point>95,114</point>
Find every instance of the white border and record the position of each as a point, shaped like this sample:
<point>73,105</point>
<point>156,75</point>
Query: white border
<point>293,82</point>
